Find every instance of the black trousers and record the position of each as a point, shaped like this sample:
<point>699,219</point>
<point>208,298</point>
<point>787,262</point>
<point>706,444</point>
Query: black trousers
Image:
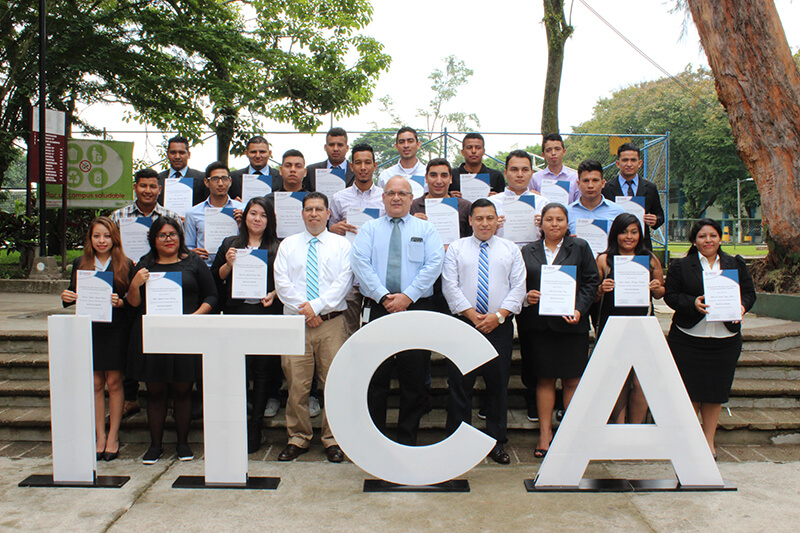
<point>495,374</point>
<point>411,367</point>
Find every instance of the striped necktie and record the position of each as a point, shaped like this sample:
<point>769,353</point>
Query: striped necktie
<point>312,271</point>
<point>630,188</point>
<point>483,280</point>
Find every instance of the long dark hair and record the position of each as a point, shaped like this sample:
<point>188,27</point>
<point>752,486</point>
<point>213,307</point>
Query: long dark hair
<point>269,239</point>
<point>700,224</point>
<point>119,263</point>
<point>151,257</point>
<point>620,225</point>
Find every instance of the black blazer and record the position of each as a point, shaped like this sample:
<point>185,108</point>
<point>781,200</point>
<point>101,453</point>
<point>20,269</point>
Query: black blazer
<point>685,283</point>
<point>199,190</point>
<point>574,251</point>
<point>652,201</point>
<point>310,181</point>
<point>497,181</point>
<point>119,315</point>
<point>236,180</point>
<point>226,303</point>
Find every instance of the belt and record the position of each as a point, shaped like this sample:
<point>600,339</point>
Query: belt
<point>330,316</point>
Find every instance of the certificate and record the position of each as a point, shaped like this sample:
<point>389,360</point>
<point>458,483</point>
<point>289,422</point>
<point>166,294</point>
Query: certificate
<point>330,181</point>
<point>417,185</point>
<point>94,294</point>
<point>520,212</point>
<point>723,298</point>
<point>631,281</point>
<point>633,205</point>
<point>255,185</point>
<point>164,293</point>
<point>443,214</point>
<point>178,194</point>
<point>556,191</point>
<point>475,186</point>
<point>133,231</point>
<point>559,286</point>
<point>593,231</point>
<point>358,217</point>
<point>249,274</point>
<point>289,212</point>
<point>219,223</point>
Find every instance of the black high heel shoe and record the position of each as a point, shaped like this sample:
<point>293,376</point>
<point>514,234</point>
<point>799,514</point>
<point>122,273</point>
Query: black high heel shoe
<point>110,456</point>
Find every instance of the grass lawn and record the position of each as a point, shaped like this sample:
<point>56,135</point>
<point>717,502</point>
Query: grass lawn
<point>9,263</point>
<point>745,250</point>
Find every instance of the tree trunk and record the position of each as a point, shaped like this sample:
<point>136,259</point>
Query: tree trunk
<point>558,31</point>
<point>225,124</point>
<point>759,85</point>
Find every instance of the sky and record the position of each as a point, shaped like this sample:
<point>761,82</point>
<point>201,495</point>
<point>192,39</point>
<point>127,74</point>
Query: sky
<point>506,48</point>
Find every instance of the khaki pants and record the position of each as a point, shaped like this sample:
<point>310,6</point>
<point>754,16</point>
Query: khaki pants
<point>352,315</point>
<point>322,343</point>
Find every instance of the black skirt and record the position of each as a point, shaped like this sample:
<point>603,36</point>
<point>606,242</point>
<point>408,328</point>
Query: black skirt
<point>559,355</point>
<point>706,364</point>
<point>110,344</point>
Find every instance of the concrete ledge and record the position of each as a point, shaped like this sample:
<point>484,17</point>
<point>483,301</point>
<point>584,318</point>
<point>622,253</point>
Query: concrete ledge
<point>36,286</point>
<point>786,306</point>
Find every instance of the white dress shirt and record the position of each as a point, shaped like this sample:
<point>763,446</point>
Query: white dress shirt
<point>354,197</point>
<point>499,199</point>
<point>549,255</point>
<point>506,275</point>
<point>335,275</point>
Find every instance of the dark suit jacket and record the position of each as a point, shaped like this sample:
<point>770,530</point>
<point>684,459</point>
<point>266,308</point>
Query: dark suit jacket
<point>310,181</point>
<point>574,251</point>
<point>497,181</point>
<point>685,283</point>
<point>652,201</point>
<point>236,180</point>
<point>199,190</point>
<point>226,303</point>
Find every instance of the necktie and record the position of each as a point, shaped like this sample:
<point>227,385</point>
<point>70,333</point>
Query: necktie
<point>258,173</point>
<point>312,278</point>
<point>630,188</point>
<point>393,264</point>
<point>337,167</point>
<point>482,305</point>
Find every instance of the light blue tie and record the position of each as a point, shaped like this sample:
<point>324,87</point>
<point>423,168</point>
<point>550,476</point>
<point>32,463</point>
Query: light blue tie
<point>312,271</point>
<point>393,264</point>
<point>483,279</point>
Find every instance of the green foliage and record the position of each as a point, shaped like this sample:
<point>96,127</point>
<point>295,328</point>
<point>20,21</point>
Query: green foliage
<point>18,232</point>
<point>703,161</point>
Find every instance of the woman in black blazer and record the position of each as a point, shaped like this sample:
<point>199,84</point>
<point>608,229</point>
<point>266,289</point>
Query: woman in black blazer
<point>706,353</point>
<point>103,251</point>
<point>559,345</point>
<point>257,230</point>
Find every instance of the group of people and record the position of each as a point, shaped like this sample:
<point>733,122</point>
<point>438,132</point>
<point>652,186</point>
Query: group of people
<point>339,276</point>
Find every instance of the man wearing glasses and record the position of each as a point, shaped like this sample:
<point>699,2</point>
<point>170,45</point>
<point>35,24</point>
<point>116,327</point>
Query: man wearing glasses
<point>396,260</point>
<point>218,181</point>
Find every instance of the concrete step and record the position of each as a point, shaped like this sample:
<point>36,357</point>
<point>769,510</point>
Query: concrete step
<point>20,342</point>
<point>766,387</point>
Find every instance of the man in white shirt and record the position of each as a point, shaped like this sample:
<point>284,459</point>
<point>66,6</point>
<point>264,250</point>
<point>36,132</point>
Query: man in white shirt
<point>519,169</point>
<point>553,152</point>
<point>407,145</point>
<point>483,280</point>
<point>312,277</point>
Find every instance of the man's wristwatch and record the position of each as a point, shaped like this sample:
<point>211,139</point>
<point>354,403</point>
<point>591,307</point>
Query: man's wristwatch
<point>500,317</point>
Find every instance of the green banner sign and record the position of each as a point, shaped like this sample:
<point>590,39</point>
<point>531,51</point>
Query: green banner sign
<point>99,175</point>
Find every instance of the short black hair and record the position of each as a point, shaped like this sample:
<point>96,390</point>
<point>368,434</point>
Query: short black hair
<point>406,129</point>
<point>180,139</point>
<point>590,165</point>
<point>336,132</point>
<point>258,139</point>
<point>361,147</point>
<point>473,135</point>
<point>145,173</point>
<point>628,147</point>
<point>315,195</point>
<point>482,202</point>
<point>217,165</point>
<point>293,153</point>
<point>519,153</point>
<point>438,162</point>
<point>552,137</point>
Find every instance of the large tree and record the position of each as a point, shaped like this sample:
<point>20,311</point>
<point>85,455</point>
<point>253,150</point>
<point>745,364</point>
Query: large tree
<point>759,85</point>
<point>558,31</point>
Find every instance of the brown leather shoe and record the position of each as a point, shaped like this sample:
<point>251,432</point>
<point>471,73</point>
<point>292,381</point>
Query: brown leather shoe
<point>291,452</point>
<point>499,456</point>
<point>334,453</point>
<point>130,408</point>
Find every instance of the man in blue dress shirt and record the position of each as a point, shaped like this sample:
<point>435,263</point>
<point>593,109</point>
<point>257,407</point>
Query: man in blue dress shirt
<point>396,260</point>
<point>591,204</point>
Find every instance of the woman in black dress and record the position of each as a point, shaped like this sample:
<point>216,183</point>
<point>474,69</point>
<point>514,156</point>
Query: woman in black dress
<point>102,251</point>
<point>257,230</point>
<point>705,352</point>
<point>165,373</point>
<point>625,238</point>
<point>560,344</point>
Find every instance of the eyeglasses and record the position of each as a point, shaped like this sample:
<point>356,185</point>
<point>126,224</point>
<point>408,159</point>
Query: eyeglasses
<point>167,236</point>
<point>399,194</point>
<point>217,179</point>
